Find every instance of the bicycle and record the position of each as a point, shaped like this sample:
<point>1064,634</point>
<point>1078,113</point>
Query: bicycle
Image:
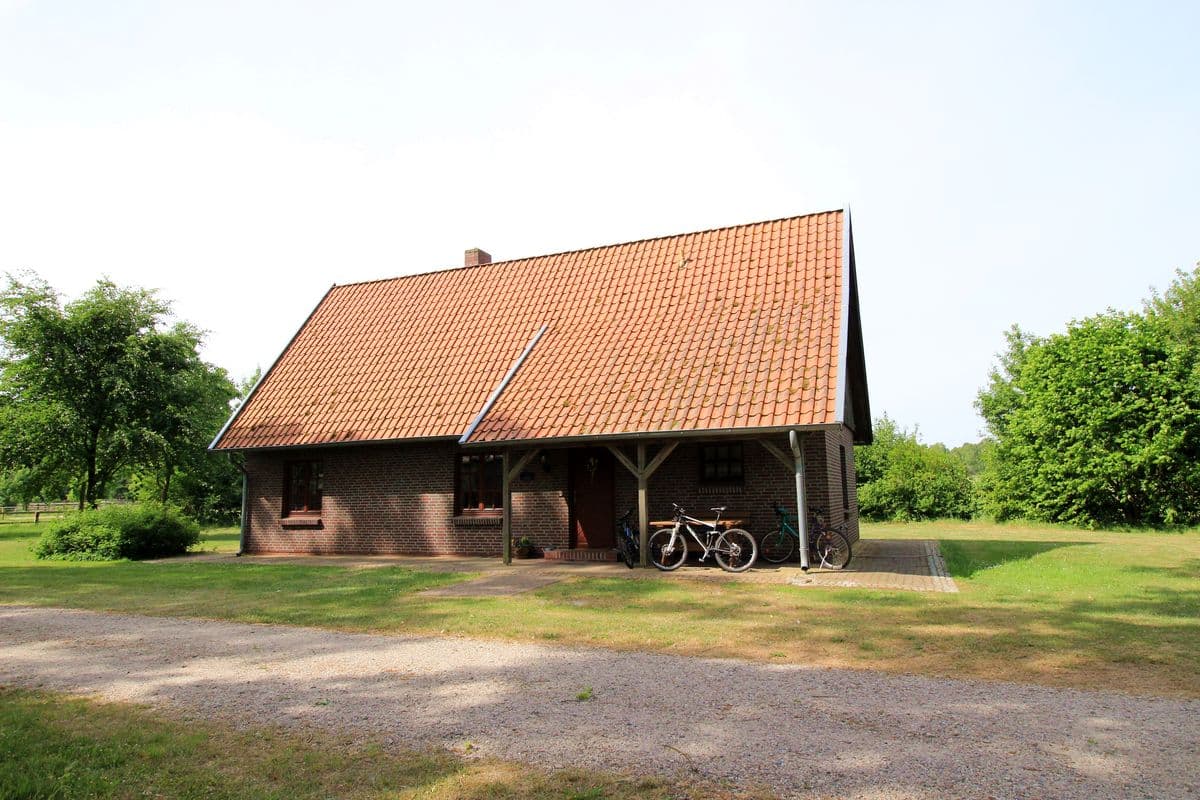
<point>827,545</point>
<point>734,550</point>
<point>627,541</point>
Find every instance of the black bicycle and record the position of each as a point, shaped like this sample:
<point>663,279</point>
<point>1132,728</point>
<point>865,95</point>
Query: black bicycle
<point>627,541</point>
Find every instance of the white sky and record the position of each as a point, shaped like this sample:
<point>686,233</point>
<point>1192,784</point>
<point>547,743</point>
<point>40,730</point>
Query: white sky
<point>1005,162</point>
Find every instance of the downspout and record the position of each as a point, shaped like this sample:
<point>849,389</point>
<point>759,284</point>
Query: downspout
<point>244,520</point>
<point>801,503</point>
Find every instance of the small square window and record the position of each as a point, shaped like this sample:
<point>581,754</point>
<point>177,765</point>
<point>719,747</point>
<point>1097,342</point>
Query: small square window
<point>480,483</point>
<point>721,464</point>
<point>302,490</point>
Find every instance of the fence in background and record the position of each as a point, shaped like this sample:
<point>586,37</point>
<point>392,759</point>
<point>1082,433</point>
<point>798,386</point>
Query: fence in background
<point>36,512</point>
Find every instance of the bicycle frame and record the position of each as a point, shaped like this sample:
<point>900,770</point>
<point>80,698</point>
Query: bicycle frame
<point>784,522</point>
<point>711,530</point>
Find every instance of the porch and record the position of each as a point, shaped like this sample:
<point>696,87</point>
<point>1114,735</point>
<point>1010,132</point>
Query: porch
<point>640,479</point>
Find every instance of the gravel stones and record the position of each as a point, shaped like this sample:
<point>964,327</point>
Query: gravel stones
<point>801,731</point>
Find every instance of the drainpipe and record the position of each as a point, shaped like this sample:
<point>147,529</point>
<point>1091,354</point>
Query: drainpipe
<point>801,503</point>
<point>245,521</point>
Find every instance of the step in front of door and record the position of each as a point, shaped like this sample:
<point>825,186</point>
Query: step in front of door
<point>581,554</point>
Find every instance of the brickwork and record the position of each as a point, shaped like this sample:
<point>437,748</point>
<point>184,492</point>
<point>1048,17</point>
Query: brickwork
<point>766,482</point>
<point>400,498</point>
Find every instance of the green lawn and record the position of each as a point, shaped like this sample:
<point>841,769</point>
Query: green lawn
<point>1040,604</point>
<point>57,747</point>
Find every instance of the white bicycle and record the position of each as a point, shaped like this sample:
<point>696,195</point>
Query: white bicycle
<point>734,549</point>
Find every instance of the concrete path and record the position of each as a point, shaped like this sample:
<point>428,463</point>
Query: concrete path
<point>804,732</point>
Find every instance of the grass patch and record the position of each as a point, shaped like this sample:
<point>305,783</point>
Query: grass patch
<point>59,747</point>
<point>1040,604</point>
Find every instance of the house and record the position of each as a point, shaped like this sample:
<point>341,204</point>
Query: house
<point>439,413</point>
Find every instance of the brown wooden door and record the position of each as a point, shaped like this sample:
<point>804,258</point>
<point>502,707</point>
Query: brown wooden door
<point>592,498</point>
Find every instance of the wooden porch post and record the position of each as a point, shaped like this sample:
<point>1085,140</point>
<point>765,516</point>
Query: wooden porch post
<point>506,494</point>
<point>506,512</point>
<point>642,471</point>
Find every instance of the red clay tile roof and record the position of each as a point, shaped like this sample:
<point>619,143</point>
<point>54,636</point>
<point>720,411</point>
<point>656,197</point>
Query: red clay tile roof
<point>732,328</point>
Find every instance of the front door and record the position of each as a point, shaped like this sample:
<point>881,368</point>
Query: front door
<point>592,498</point>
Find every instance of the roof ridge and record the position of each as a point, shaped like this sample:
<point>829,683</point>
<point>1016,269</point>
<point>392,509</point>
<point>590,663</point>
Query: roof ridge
<point>587,249</point>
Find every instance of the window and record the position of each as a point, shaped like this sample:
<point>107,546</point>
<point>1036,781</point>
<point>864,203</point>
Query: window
<point>480,483</point>
<point>721,464</point>
<point>845,482</point>
<point>302,493</point>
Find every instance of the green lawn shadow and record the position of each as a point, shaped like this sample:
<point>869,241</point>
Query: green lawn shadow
<point>967,557</point>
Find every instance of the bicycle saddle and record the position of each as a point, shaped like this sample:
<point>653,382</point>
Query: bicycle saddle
<point>718,508</point>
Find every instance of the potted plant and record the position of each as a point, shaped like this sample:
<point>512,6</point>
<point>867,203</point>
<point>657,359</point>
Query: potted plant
<point>522,547</point>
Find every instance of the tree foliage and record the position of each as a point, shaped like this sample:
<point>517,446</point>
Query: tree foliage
<point>900,478</point>
<point>1100,425</point>
<point>100,386</point>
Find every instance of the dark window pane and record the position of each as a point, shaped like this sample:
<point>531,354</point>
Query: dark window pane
<point>304,486</point>
<point>493,476</point>
<point>721,463</point>
<point>479,482</point>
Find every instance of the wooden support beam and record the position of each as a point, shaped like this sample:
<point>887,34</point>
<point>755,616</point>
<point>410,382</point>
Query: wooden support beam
<point>624,459</point>
<point>521,464</point>
<point>770,447</point>
<point>658,459</point>
<point>642,471</point>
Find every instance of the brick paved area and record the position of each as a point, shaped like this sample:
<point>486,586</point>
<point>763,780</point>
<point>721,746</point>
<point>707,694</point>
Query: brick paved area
<point>914,564</point>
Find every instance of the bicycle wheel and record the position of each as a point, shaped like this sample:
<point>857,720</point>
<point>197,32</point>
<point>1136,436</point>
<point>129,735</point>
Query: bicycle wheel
<point>777,546</point>
<point>831,550</point>
<point>736,550</point>
<point>628,551</point>
<point>665,553</point>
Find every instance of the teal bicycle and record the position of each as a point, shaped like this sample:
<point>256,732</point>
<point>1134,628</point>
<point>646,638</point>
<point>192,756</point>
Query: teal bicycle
<point>828,546</point>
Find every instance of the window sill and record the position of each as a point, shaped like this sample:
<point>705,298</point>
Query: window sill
<point>479,520</point>
<point>735,488</point>
<point>300,522</point>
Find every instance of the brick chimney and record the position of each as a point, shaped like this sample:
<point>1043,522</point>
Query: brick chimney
<point>476,257</point>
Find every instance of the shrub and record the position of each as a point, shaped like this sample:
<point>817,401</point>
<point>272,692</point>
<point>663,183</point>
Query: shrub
<point>114,532</point>
<point>902,479</point>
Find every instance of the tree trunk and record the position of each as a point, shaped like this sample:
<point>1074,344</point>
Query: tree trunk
<point>166,484</point>
<point>90,491</point>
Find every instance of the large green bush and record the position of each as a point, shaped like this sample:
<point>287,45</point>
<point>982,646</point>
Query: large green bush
<point>1097,426</point>
<point>899,478</point>
<point>115,532</point>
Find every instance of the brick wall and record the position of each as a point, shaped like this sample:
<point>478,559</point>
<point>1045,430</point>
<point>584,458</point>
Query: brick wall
<point>400,498</point>
<point>767,481</point>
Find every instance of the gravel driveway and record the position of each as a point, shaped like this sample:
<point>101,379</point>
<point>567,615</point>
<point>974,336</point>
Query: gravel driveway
<point>802,731</point>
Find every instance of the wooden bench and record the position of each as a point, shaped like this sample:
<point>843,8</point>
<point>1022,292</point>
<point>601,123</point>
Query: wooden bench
<point>725,523</point>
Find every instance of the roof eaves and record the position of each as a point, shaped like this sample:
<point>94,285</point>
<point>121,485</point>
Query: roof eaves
<point>844,334</point>
<point>700,433</point>
<point>340,443</point>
